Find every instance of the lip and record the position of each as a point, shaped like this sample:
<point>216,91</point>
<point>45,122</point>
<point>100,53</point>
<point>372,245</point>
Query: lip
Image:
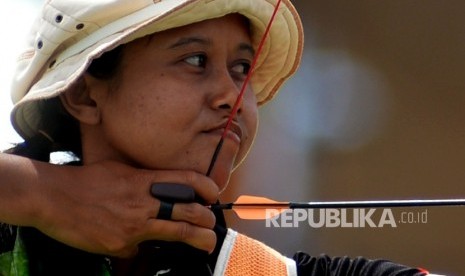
<point>234,131</point>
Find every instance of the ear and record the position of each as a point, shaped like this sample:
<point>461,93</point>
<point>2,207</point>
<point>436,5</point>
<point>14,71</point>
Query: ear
<point>80,100</point>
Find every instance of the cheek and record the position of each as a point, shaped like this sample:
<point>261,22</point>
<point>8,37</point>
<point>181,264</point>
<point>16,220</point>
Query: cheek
<point>134,111</point>
<point>251,113</point>
<point>153,102</point>
<point>159,119</point>
<point>250,117</point>
<point>129,116</point>
<point>253,127</point>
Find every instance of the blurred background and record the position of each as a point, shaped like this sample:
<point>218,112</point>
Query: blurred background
<point>375,112</point>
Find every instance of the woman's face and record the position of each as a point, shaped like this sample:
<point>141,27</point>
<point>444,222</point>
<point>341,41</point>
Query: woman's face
<point>168,106</point>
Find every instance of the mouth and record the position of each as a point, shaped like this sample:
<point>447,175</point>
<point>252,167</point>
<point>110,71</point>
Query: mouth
<point>234,132</point>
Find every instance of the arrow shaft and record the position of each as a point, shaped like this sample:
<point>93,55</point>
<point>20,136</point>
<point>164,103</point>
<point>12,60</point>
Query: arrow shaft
<point>344,204</point>
<point>378,203</point>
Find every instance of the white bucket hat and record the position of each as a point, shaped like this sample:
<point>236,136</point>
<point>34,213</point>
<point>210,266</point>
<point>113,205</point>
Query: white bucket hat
<point>69,34</point>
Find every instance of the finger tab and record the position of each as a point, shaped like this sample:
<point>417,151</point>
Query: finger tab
<point>172,192</point>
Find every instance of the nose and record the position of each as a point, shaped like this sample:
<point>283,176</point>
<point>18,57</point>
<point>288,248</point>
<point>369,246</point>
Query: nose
<point>225,92</point>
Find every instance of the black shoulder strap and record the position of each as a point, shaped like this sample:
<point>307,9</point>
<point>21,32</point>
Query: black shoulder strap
<point>7,237</point>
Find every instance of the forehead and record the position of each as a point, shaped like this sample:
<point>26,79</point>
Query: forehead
<point>234,26</point>
<point>228,23</point>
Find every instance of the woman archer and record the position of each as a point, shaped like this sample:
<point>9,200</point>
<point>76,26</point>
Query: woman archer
<point>141,92</point>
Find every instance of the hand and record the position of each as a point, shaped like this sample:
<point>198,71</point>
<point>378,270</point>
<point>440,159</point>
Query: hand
<point>106,208</point>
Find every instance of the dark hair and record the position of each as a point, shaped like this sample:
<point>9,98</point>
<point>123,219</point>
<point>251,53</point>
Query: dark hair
<point>106,66</point>
<point>64,133</point>
<point>48,256</point>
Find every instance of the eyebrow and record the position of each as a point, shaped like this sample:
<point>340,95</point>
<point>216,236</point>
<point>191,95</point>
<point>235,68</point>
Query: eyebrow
<point>185,41</point>
<point>247,47</point>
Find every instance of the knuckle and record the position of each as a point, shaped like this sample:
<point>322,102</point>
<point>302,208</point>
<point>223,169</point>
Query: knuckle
<point>183,233</point>
<point>193,213</point>
<point>213,240</point>
<point>191,177</point>
<point>212,220</point>
<point>133,227</point>
<point>197,214</point>
<point>126,252</point>
<point>117,247</point>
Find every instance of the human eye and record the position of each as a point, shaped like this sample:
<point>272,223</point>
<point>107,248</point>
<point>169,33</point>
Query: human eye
<point>242,67</point>
<point>198,60</point>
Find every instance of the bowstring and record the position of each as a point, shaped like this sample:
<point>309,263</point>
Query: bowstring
<point>242,91</point>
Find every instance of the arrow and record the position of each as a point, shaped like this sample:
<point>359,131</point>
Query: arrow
<point>255,207</point>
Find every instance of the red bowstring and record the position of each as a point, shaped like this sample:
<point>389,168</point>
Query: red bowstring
<point>242,91</point>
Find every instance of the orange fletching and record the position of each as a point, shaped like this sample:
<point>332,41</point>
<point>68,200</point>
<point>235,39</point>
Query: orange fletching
<point>257,208</point>
<point>254,199</point>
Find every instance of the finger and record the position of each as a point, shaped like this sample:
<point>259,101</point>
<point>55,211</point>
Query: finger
<point>203,186</point>
<point>198,237</point>
<point>165,210</point>
<point>142,179</point>
<point>192,213</point>
<point>173,192</point>
<point>195,214</point>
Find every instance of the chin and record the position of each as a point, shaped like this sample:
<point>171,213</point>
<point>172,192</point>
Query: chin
<point>223,167</point>
<point>221,177</point>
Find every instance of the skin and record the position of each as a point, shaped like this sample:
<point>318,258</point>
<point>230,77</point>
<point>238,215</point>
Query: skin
<point>165,111</point>
<point>103,208</point>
